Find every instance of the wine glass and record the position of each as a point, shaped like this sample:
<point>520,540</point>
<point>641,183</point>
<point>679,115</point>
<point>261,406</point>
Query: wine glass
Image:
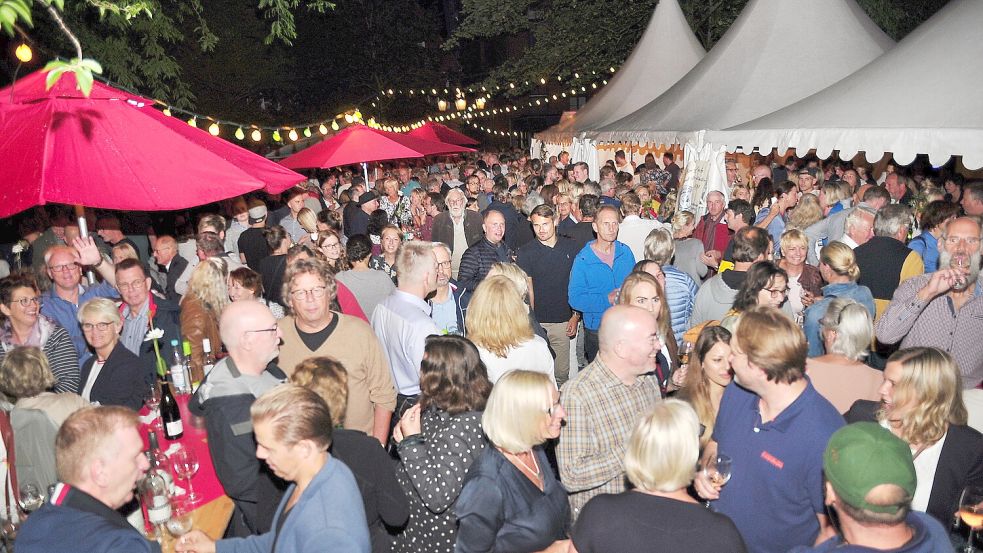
<point>31,499</point>
<point>960,263</point>
<point>718,470</point>
<point>153,403</point>
<point>184,461</point>
<point>180,522</point>
<point>971,511</point>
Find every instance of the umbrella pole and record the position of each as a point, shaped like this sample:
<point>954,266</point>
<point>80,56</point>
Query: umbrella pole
<point>365,169</point>
<point>84,232</point>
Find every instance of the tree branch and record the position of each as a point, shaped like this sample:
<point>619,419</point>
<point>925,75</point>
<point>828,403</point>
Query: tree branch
<point>64,28</point>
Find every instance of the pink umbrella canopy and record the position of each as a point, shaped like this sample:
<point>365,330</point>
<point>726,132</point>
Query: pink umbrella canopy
<point>442,133</point>
<point>113,150</point>
<point>361,144</point>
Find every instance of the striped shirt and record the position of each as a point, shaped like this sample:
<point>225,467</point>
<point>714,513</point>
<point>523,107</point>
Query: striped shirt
<point>601,413</point>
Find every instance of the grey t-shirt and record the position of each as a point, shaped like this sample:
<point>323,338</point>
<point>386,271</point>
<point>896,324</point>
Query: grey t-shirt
<point>369,287</point>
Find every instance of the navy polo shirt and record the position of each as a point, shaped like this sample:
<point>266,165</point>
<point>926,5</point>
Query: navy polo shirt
<point>776,484</point>
<point>549,269</point>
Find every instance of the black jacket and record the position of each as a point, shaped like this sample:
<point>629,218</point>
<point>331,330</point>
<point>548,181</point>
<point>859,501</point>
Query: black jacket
<point>478,259</point>
<point>177,268</point>
<point>123,380</point>
<point>167,317</point>
<point>443,229</point>
<point>960,463</point>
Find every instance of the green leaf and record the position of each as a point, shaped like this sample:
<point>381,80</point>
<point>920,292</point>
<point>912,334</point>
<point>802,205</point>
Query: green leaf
<point>23,11</point>
<point>90,64</point>
<point>54,75</point>
<point>84,78</point>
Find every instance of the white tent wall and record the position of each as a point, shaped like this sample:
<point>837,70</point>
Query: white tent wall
<point>925,96</point>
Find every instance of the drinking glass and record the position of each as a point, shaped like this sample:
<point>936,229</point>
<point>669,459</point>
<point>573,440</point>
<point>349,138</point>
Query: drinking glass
<point>961,265</point>
<point>8,532</point>
<point>971,511</point>
<point>180,522</point>
<point>31,498</point>
<point>718,470</point>
<point>153,403</point>
<point>184,461</point>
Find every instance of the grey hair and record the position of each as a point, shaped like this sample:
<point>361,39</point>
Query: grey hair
<point>854,329</point>
<point>856,215</point>
<point>532,201</point>
<point>891,218</point>
<point>591,188</point>
<point>659,246</point>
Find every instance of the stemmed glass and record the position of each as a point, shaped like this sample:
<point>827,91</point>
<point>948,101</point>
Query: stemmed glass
<point>971,511</point>
<point>718,470</point>
<point>961,265</point>
<point>31,499</point>
<point>180,522</point>
<point>153,403</point>
<point>184,461</point>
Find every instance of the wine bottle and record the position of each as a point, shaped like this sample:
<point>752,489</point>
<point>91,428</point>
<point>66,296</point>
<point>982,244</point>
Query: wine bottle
<point>158,461</point>
<point>155,499</point>
<point>209,360</point>
<point>177,368</point>
<point>170,414</point>
<point>188,378</point>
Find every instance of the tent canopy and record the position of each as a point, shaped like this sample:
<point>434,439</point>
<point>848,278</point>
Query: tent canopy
<point>776,53</point>
<point>923,97</point>
<point>667,50</point>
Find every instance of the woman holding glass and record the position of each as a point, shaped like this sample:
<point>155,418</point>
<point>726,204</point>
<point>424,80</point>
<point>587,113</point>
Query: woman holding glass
<point>511,499</point>
<point>114,375</point>
<point>804,281</point>
<point>22,324</point>
<point>662,452</point>
<point>322,507</point>
<point>201,309</point>
<point>921,403</point>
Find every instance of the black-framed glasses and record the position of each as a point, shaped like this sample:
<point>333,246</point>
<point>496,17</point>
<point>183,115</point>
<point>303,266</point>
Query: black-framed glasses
<point>316,292</point>
<point>63,268</point>
<point>273,328</point>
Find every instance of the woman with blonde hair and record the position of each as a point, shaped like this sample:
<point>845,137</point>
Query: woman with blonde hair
<point>921,403</point>
<point>689,250</point>
<point>832,196</point>
<point>841,375</point>
<point>660,459</point>
<point>384,501</point>
<point>497,321</point>
<point>641,289</point>
<point>806,213</point>
<point>838,267</point>
<point>498,509</point>
<point>707,375</point>
<point>308,221</point>
<point>201,309</point>
<point>805,282</point>
<point>114,375</point>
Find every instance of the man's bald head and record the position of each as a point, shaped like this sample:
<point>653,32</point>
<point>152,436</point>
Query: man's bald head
<point>619,321</point>
<point>239,321</point>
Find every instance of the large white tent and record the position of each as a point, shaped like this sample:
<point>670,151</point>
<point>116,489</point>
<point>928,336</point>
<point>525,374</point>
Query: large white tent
<point>923,97</point>
<point>776,53</point>
<point>667,51</point>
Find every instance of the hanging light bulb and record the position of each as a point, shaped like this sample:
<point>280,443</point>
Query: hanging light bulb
<point>480,103</point>
<point>167,112</point>
<point>293,135</point>
<point>542,81</point>
<point>256,135</point>
<point>461,104</point>
<point>322,129</point>
<point>612,70</point>
<point>357,115</point>
<point>349,119</point>
<point>442,105</point>
<point>24,53</point>
<point>193,121</point>
<point>307,132</point>
<point>335,126</point>
<point>240,134</point>
<point>276,136</point>
<point>511,85</point>
<point>213,129</point>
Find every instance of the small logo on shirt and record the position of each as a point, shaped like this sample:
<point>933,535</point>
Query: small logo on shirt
<point>775,461</point>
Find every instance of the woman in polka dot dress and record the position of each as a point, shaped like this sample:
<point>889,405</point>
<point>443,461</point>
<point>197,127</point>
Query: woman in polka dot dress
<point>438,440</point>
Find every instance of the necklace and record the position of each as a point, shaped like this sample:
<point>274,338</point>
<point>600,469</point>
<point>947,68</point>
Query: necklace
<point>534,472</point>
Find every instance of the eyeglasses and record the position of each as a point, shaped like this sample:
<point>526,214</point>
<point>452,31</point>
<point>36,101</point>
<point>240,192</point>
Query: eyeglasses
<point>271,329</point>
<point>443,264</point>
<point>24,302</point>
<point>316,292</point>
<point>64,268</point>
<point>335,246</point>
<point>777,293</point>
<point>969,241</point>
<point>135,285</point>
<point>102,327</point>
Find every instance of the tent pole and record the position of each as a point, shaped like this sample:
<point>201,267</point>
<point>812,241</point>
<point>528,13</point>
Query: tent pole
<point>365,169</point>
<point>84,232</point>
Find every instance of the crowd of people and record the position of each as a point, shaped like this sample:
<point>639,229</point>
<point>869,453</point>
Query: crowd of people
<point>499,354</point>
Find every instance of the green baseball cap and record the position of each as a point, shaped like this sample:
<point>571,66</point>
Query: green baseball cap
<point>864,455</point>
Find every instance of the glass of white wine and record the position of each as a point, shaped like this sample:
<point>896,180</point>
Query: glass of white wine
<point>718,470</point>
<point>971,512</point>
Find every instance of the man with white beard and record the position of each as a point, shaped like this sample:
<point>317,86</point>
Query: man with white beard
<point>457,227</point>
<point>944,309</point>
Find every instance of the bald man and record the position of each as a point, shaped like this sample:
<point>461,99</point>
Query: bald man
<point>168,266</point>
<point>252,338</point>
<point>603,402</point>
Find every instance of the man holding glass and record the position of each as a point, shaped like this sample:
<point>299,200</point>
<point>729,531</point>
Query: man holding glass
<point>774,426</point>
<point>99,455</point>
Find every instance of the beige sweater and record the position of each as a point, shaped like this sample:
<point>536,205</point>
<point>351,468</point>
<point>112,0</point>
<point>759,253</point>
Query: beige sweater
<point>352,343</point>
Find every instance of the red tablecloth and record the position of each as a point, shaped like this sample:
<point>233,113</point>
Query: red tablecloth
<point>205,481</point>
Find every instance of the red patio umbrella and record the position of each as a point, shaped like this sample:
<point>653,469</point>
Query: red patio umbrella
<point>361,144</point>
<point>442,133</point>
<point>114,151</point>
